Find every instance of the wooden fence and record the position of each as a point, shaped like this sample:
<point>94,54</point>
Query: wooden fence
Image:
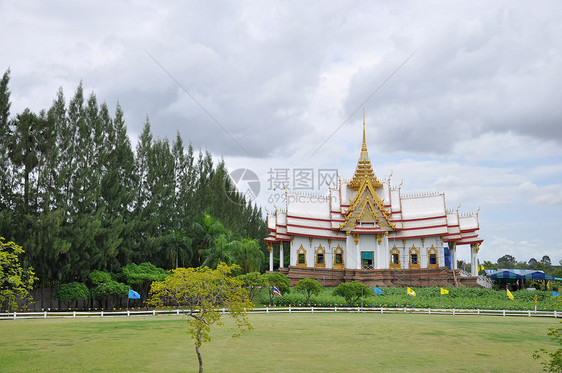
<point>267,310</point>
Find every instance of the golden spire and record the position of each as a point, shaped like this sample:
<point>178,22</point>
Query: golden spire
<point>364,146</point>
<point>364,169</point>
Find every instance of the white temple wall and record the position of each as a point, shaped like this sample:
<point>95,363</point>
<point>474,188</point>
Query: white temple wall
<point>350,253</point>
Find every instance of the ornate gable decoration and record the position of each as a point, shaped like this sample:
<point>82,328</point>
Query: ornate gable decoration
<point>368,207</point>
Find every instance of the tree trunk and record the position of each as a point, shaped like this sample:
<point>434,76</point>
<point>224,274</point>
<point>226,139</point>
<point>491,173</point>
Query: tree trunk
<point>200,359</point>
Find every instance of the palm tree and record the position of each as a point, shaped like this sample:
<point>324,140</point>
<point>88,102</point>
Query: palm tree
<point>248,256</point>
<point>221,251</point>
<point>203,234</point>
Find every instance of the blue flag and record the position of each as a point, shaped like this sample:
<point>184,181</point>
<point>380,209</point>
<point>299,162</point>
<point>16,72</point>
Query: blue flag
<point>377,290</point>
<point>133,294</point>
<point>555,294</point>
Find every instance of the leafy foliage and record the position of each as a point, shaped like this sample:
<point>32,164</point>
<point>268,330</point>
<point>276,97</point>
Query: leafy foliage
<point>203,292</point>
<point>308,287</point>
<point>15,281</point>
<point>253,282</point>
<point>352,291</point>
<point>71,292</point>
<point>278,280</point>
<point>103,287</point>
<point>142,275</point>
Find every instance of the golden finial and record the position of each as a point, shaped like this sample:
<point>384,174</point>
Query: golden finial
<point>285,188</point>
<point>478,210</point>
<point>364,146</point>
<point>400,185</point>
<point>389,176</point>
<point>458,208</point>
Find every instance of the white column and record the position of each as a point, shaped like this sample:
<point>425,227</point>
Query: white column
<point>358,251</point>
<point>270,257</point>
<point>386,252</point>
<point>454,256</point>
<point>281,254</point>
<point>349,253</point>
<point>474,260</point>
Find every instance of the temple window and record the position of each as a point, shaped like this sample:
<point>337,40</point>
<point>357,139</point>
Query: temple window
<point>432,254</point>
<point>338,257</point>
<point>395,258</point>
<point>320,257</point>
<point>301,257</point>
<point>414,257</point>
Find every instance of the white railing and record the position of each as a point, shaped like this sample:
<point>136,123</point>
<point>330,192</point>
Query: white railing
<point>484,281</point>
<point>267,310</point>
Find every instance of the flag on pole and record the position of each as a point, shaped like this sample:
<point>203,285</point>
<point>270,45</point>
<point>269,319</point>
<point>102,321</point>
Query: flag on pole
<point>133,294</point>
<point>548,284</point>
<point>555,294</point>
<point>377,290</point>
<point>411,292</point>
<point>482,267</point>
<point>509,295</point>
<point>444,291</point>
<point>276,291</point>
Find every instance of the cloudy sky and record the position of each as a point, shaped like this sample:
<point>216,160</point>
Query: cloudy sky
<point>460,97</point>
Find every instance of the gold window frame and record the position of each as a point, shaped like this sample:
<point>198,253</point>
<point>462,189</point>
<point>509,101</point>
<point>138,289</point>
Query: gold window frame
<point>302,251</point>
<point>320,251</point>
<point>416,252</point>
<point>396,251</point>
<point>337,251</point>
<point>430,252</point>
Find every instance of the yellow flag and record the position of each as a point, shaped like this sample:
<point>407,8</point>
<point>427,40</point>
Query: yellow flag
<point>482,267</point>
<point>509,295</point>
<point>411,292</point>
<point>548,285</point>
<point>444,291</point>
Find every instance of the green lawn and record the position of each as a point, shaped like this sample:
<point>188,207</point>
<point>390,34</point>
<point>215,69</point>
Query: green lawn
<point>280,343</point>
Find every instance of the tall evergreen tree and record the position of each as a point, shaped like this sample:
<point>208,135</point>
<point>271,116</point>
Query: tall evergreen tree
<point>5,139</point>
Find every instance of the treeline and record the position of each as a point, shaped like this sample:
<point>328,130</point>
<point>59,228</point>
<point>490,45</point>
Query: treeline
<point>77,197</point>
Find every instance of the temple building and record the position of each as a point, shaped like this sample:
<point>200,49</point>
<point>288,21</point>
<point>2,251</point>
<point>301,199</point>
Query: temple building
<point>365,229</point>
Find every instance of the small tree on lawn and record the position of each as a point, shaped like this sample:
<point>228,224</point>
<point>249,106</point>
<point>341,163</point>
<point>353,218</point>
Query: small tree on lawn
<point>278,280</point>
<point>253,283</point>
<point>308,287</point>
<point>15,280</point>
<point>103,287</point>
<point>139,277</point>
<point>72,292</point>
<point>352,291</point>
<point>203,292</point>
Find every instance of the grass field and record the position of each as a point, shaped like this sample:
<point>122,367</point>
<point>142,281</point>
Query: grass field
<point>280,343</point>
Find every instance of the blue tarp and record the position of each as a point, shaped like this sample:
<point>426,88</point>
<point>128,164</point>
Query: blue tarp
<point>519,273</point>
<point>506,274</point>
<point>539,275</point>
